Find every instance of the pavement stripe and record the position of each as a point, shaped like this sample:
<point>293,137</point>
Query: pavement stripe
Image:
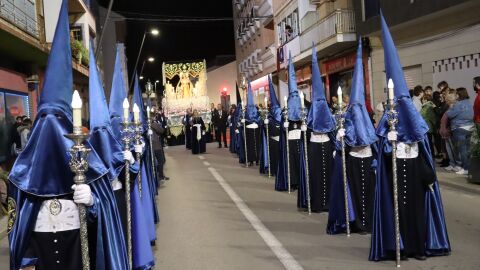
<point>201,157</point>
<point>272,242</point>
<point>206,163</point>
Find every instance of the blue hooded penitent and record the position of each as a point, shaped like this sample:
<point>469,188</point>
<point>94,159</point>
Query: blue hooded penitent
<point>411,128</point>
<point>275,112</point>
<point>42,171</point>
<point>294,103</point>
<point>251,115</point>
<point>117,96</point>
<point>102,140</point>
<point>320,119</point>
<point>148,183</point>
<point>359,130</point>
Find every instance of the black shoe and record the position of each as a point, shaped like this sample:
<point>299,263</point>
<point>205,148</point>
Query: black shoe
<point>420,257</point>
<point>226,146</point>
<point>220,146</point>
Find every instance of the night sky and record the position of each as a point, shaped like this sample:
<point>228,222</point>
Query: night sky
<point>178,41</point>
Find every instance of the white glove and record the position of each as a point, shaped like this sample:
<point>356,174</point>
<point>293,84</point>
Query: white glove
<point>431,187</point>
<point>286,124</point>
<point>392,136</point>
<point>304,128</point>
<point>243,120</point>
<point>237,131</point>
<point>128,156</point>
<point>138,148</point>
<point>334,153</point>
<point>266,121</point>
<point>229,117</point>
<point>203,133</point>
<point>82,194</point>
<point>340,134</point>
<point>150,132</point>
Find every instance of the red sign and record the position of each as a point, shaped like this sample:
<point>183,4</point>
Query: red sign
<point>339,64</point>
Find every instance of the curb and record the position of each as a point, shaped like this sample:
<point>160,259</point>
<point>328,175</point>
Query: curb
<point>462,187</point>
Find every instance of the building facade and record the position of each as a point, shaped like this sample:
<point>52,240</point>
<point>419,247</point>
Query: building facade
<point>26,31</point>
<point>436,41</point>
<point>255,46</point>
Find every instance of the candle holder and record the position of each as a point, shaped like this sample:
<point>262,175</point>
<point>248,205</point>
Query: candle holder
<point>340,117</point>
<point>138,141</point>
<point>79,165</point>
<point>305,146</point>
<point>392,118</point>
<point>126,139</point>
<point>266,123</point>
<point>285,126</point>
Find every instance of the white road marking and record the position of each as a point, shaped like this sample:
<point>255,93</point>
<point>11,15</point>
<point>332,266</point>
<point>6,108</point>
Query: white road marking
<point>201,157</point>
<point>272,242</point>
<point>206,163</point>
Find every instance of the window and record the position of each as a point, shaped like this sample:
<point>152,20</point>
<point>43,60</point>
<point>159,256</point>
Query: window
<point>76,33</point>
<point>370,8</point>
<point>11,106</point>
<point>288,28</point>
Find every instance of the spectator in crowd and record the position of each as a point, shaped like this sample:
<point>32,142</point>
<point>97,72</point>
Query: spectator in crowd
<point>440,108</point>
<point>410,91</point>
<point>428,90</point>
<point>461,119</point>
<point>24,131</point>
<point>417,97</point>
<point>476,106</point>
<point>15,142</point>
<point>442,85</point>
<point>446,133</point>
<point>428,114</point>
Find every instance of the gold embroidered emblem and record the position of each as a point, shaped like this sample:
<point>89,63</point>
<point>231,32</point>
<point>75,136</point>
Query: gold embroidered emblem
<point>12,213</point>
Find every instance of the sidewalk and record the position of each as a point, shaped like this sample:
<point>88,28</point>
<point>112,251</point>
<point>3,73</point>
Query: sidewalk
<point>455,181</point>
<point>3,227</point>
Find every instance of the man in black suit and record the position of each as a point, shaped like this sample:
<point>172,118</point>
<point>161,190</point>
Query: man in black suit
<point>221,125</point>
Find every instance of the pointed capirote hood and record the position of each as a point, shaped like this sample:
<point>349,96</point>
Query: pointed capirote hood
<point>411,127</point>
<point>359,130</point>
<point>42,168</point>
<point>251,115</point>
<point>108,148</point>
<point>275,108</point>
<point>320,118</point>
<point>137,99</point>
<point>117,96</point>
<point>294,103</point>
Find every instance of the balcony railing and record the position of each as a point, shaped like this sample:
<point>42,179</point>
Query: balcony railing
<point>338,22</point>
<point>19,17</point>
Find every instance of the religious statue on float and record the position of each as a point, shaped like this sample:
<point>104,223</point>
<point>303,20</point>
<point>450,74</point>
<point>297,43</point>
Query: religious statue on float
<point>184,85</point>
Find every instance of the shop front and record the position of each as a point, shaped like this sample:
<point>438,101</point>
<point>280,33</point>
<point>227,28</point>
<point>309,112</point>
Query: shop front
<point>339,72</point>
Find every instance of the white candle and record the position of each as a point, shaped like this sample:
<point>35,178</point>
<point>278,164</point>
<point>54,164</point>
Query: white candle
<point>266,102</point>
<point>302,99</point>
<point>126,106</point>
<point>136,113</point>
<point>148,112</point>
<point>77,109</point>
<point>285,99</point>
<point>390,89</point>
<point>339,96</point>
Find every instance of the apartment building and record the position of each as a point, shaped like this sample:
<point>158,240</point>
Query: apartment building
<point>26,32</point>
<point>255,45</point>
<point>436,41</point>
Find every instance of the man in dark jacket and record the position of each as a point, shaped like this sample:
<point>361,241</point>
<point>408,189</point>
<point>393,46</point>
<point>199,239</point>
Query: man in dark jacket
<point>158,130</point>
<point>221,120</point>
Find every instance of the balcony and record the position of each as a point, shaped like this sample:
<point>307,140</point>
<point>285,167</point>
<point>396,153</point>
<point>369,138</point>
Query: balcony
<point>269,59</point>
<point>23,17</point>
<point>265,11</point>
<point>333,32</point>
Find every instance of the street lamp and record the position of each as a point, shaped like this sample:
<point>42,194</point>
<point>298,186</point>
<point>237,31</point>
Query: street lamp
<point>157,81</point>
<point>141,78</point>
<point>151,59</point>
<point>154,32</point>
